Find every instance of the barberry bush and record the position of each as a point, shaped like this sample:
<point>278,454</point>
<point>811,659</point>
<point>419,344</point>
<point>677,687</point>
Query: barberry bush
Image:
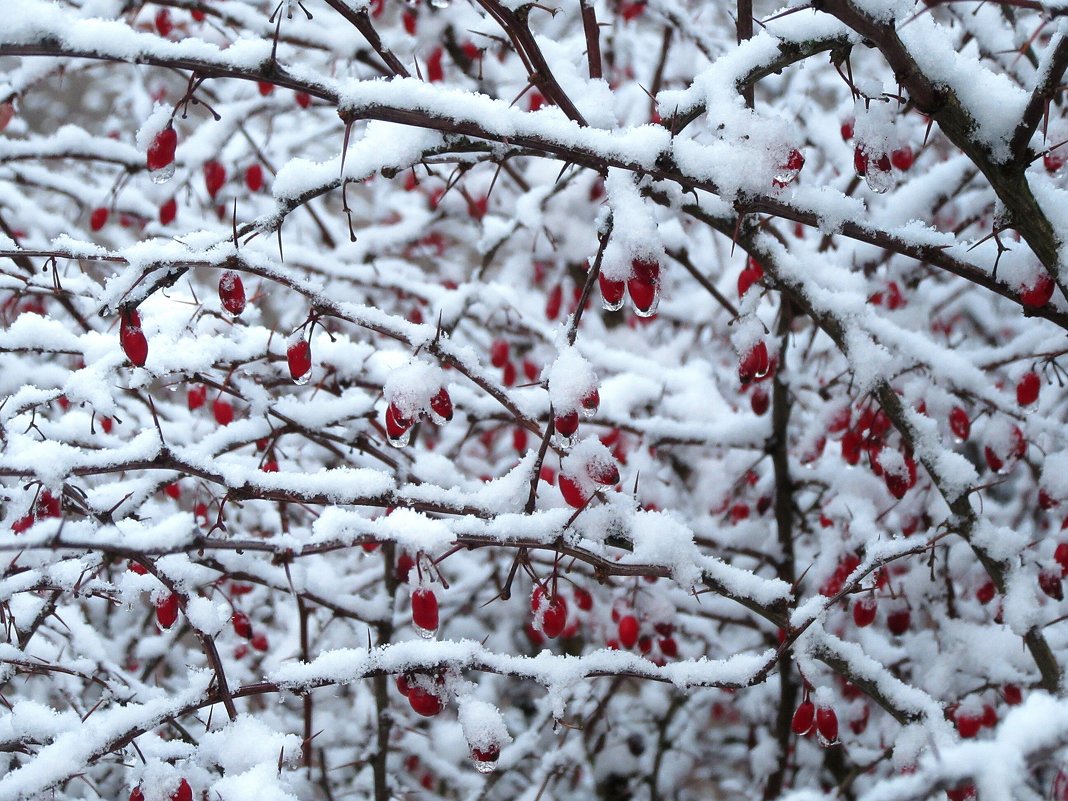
<point>490,399</point>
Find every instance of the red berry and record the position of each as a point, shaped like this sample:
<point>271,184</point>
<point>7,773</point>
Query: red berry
<point>959,423</point>
<point>435,73</point>
<point>965,792</point>
<point>846,130</point>
<point>425,610</point>
<point>396,425</point>
<point>552,612</point>
<point>242,625</point>
<point>1060,555</point>
<point>489,754</point>
<point>752,273</point>
<point>759,401</point>
<point>903,158</point>
<point>990,716</point>
<point>804,718</point>
<point>163,22</point>
<point>795,161</point>
<point>499,352</point>
<point>603,472</point>
<point>265,87</point>
<point>985,594</point>
<point>1012,694</point>
<point>136,794</point>
<point>424,702</point>
<point>1052,161</point>
<point>611,291</point>
<point>223,411</point>
<point>303,99</point>
<point>1038,293</point>
<point>298,356</point>
<point>852,443</point>
<point>827,725</point>
<point>197,15</point>
<point>628,631</point>
<point>993,461</point>
<point>583,599</point>
<point>232,292</point>
<point>644,285</point>
<point>968,725</point>
<point>754,364</point>
<point>864,610</point>
<point>898,621</point>
<point>98,219</point>
<point>1027,388</point>
<point>408,19</point>
<point>509,374</point>
<point>132,338</point>
<point>260,643</point>
<point>441,404</point>
<point>555,300</point>
<point>573,492</point>
<point>214,177</point>
<point>183,793</point>
<point>591,400</point>
<point>566,424</point>
<point>161,151</point>
<point>1049,581</point>
<point>254,177</point>
<point>668,647</point>
<point>167,611</point>
<point>173,490</point>
<point>168,211</point>
<point>405,563</point>
<point>901,483</point>
<point>196,397</point>
<point>860,161</point>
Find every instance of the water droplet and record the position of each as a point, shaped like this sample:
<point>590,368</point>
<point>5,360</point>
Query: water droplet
<point>587,413</point>
<point>651,310</point>
<point>784,178</point>
<point>564,442</point>
<point>612,306</point>
<point>824,741</point>
<point>483,766</point>
<point>301,380</point>
<point>439,3</point>
<point>162,176</point>
<point>437,419</point>
<point>402,440</point>
<point>426,634</point>
<point>880,181</point>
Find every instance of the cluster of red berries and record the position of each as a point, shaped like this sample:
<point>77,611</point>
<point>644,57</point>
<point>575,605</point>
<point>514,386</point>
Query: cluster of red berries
<point>577,489</point>
<point>399,423</point>
<point>643,286</point>
<point>425,693</point>
<point>654,640</point>
<point>183,793</point>
<point>868,436</point>
<point>243,628</point>
<point>47,505</point>
<point>821,720</point>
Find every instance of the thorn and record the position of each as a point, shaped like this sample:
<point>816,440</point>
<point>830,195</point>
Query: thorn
<point>233,222</point>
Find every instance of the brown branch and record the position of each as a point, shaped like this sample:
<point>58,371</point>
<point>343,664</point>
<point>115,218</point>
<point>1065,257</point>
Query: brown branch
<point>361,20</point>
<point>593,37</point>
